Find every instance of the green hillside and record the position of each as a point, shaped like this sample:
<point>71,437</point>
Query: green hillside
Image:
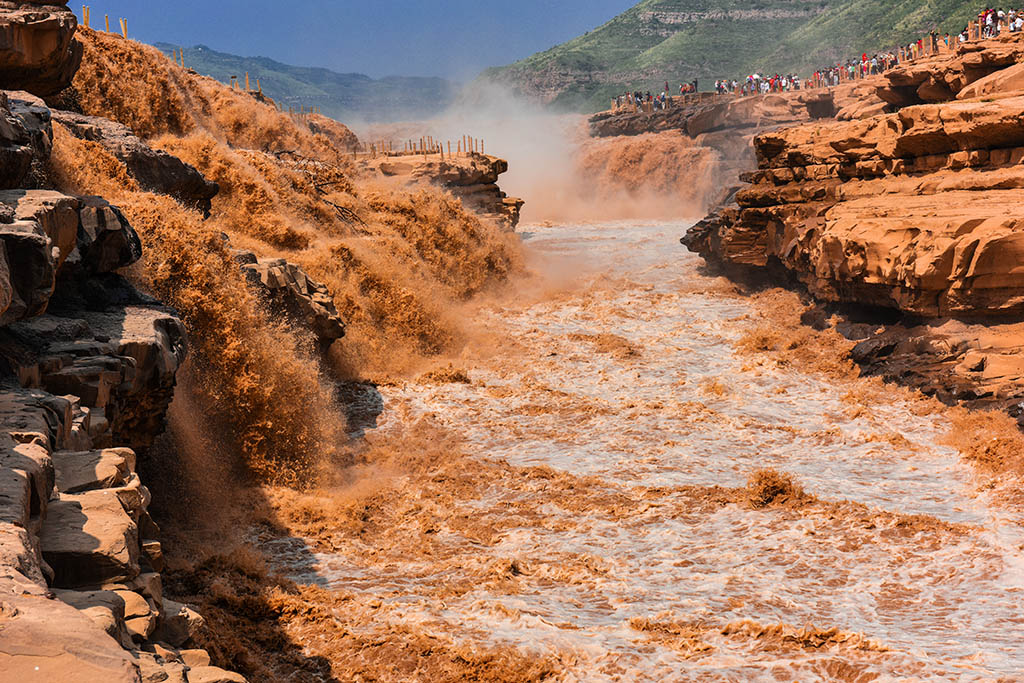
<point>345,97</point>
<point>679,40</point>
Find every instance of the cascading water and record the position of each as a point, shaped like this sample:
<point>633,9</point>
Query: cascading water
<point>597,514</point>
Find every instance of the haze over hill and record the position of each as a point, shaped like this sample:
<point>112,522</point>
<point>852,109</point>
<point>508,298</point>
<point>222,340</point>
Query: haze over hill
<point>679,40</point>
<point>342,96</point>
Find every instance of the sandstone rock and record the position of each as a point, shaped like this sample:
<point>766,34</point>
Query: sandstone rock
<point>16,151</point>
<point>120,361</point>
<point>37,50</point>
<point>105,608</point>
<point>195,658</point>
<point>106,241</point>
<point>46,640</point>
<point>26,479</point>
<point>178,624</point>
<point>153,554</point>
<point>155,170</point>
<point>88,539</point>
<point>211,674</point>
<point>86,471</point>
<point>1005,80</point>
<point>945,244</point>
<point>26,138</point>
<point>293,295</point>
<point>155,669</point>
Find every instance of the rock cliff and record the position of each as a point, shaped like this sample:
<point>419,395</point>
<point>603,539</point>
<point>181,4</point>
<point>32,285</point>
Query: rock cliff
<point>87,372</point>
<point>917,211</point>
<point>38,52</point>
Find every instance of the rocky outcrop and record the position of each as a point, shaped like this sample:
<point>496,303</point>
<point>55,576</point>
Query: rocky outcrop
<point>707,112</point>
<point>26,137</point>
<point>912,210</point>
<point>339,135</point>
<point>968,72</point>
<point>87,371</point>
<point>155,170</point>
<point>916,211</point>
<point>293,296</point>
<point>473,178</point>
<point>38,52</point>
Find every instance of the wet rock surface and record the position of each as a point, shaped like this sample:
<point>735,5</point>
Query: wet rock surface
<point>293,296</point>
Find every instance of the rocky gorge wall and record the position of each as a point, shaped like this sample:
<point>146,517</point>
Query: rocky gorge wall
<point>916,212</point>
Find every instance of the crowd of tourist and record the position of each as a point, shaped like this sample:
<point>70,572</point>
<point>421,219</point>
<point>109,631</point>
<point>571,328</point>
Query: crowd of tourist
<point>996,21</point>
<point>990,23</point>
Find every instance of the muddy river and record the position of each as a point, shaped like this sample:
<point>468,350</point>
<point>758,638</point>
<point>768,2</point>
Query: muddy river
<point>603,519</point>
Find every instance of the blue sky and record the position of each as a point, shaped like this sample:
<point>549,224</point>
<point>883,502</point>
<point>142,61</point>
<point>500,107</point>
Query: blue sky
<point>451,38</point>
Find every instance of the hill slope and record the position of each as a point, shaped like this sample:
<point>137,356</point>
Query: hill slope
<point>340,96</point>
<point>679,40</point>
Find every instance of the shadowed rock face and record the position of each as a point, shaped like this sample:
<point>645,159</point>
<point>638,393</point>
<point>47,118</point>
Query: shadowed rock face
<point>155,170</point>
<point>37,49</point>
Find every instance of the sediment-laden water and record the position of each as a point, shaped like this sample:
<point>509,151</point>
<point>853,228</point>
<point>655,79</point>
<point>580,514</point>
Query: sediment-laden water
<point>599,515</point>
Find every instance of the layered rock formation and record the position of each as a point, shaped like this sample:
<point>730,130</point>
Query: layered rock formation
<point>916,211</point>
<point>970,71</point>
<point>472,178</point>
<point>38,52</point>
<point>87,371</point>
<point>155,170</point>
<point>293,296</point>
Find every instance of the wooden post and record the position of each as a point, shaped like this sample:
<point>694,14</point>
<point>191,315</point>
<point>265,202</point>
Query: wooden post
<point>459,147</point>
<point>482,146</point>
<point>259,88</point>
<point>124,28</point>
<point>246,81</point>
<point>449,148</point>
<point>107,17</point>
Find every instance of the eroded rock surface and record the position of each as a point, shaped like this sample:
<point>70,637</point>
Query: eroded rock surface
<point>155,170</point>
<point>913,210</point>
<point>917,211</point>
<point>293,296</point>
<point>38,52</point>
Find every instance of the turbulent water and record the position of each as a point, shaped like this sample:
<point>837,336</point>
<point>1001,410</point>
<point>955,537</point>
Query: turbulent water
<point>616,538</point>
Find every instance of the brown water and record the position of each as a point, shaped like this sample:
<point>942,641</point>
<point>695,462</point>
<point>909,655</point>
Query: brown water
<point>598,515</point>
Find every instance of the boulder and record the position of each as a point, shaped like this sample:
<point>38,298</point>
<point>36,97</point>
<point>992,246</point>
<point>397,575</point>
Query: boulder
<point>155,170</point>
<point>26,138</point>
<point>90,470</point>
<point>89,539</point>
<point>212,674</point>
<point>105,608</point>
<point>306,304</point>
<point>38,52</point>
<point>46,640</point>
<point>106,241</point>
<point>178,624</point>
